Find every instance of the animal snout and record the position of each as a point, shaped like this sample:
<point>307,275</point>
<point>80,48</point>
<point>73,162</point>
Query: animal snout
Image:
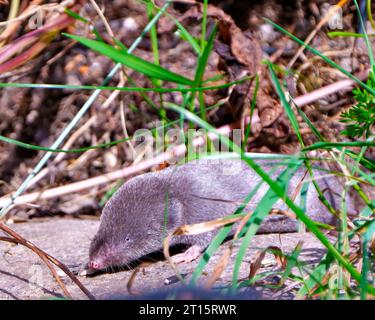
<point>95,265</point>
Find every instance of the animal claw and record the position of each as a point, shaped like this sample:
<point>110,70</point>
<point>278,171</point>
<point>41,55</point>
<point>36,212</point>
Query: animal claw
<point>189,255</point>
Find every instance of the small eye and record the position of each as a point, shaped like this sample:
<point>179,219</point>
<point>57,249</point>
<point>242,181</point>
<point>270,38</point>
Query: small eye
<point>127,239</point>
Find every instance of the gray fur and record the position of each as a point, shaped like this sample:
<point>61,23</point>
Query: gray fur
<point>132,222</point>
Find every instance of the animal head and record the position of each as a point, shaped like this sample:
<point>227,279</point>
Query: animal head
<point>133,223</point>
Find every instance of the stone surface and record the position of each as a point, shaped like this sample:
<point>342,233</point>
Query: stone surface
<point>24,276</point>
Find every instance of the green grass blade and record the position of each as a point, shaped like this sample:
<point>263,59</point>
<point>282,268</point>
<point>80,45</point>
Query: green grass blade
<point>369,14</point>
<point>318,53</point>
<point>368,43</point>
<point>110,193</point>
<point>214,78</point>
<point>111,88</point>
<point>334,34</point>
<point>259,214</point>
<point>252,108</point>
<point>204,24</point>
<point>338,145</point>
<point>76,16</point>
<point>202,63</point>
<point>367,237</point>
<point>311,226</point>
<point>313,129</point>
<point>131,61</point>
<point>185,35</point>
<point>315,278</point>
<point>85,21</point>
<point>293,119</point>
<point>292,262</point>
<point>80,150</point>
<point>287,107</point>
<point>367,163</point>
<point>153,34</point>
<point>72,124</point>
<point>220,237</point>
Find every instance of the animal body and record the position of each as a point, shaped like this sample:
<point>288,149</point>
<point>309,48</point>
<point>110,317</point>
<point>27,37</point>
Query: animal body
<point>135,219</point>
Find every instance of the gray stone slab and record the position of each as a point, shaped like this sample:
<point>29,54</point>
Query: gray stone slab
<point>24,276</point>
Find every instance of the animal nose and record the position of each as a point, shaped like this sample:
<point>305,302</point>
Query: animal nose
<point>94,265</point>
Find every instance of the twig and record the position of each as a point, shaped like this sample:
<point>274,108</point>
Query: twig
<point>67,145</point>
<point>178,150</point>
<point>330,89</point>
<point>103,18</point>
<point>13,11</point>
<point>47,259</point>
<point>78,116</point>
<point>33,36</point>
<point>7,239</point>
<point>122,173</point>
<point>34,8</point>
<point>325,19</point>
<point>93,118</point>
<point>122,74</point>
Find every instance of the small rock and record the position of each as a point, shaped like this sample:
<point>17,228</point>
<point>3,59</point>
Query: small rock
<point>130,24</point>
<point>268,33</point>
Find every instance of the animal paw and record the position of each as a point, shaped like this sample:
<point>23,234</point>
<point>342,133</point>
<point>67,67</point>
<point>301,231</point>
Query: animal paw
<point>189,255</point>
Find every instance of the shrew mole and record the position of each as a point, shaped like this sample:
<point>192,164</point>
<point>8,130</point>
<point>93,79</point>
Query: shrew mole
<point>136,218</point>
